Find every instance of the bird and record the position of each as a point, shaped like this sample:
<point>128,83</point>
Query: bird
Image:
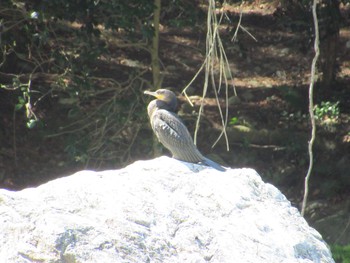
<point>171,131</point>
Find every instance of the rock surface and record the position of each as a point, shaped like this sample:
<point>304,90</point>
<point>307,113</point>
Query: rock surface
<point>161,210</point>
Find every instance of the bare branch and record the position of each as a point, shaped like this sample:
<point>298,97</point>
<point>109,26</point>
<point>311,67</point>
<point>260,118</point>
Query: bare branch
<point>215,63</point>
<point>311,106</point>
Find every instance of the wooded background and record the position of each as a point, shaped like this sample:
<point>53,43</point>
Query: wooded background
<point>72,77</point>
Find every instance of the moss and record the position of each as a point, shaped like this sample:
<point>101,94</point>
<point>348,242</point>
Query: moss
<point>341,254</point>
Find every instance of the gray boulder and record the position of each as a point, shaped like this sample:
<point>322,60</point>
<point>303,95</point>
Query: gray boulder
<point>161,210</point>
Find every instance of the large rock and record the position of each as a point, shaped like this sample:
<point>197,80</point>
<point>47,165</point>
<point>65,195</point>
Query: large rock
<point>161,210</point>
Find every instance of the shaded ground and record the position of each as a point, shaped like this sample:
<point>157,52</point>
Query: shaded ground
<point>271,77</point>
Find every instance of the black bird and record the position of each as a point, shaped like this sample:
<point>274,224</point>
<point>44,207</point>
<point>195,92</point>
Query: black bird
<point>171,131</point>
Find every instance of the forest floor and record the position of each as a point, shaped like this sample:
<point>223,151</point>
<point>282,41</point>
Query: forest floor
<point>271,68</point>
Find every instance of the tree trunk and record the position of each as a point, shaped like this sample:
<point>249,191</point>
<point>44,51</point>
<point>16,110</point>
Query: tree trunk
<point>155,46</point>
<point>329,14</point>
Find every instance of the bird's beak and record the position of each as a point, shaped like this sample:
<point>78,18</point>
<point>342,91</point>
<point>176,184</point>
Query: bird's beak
<point>153,93</point>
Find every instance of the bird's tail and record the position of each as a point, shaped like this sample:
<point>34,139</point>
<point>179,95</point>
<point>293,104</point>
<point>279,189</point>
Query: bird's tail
<point>213,164</point>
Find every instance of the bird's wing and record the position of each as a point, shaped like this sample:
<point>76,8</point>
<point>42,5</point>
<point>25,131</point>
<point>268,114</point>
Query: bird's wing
<point>173,134</point>
<point>170,130</point>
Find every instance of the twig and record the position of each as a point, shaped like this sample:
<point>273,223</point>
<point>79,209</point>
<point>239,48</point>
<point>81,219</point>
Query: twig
<point>343,232</point>
<point>311,107</point>
<point>215,56</point>
<point>249,34</point>
<point>239,23</point>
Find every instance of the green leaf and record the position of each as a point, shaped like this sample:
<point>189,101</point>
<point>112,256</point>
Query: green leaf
<point>31,123</point>
<point>18,106</point>
<point>21,100</point>
<point>233,121</point>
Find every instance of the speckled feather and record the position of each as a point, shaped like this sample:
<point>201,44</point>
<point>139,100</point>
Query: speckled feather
<point>173,134</point>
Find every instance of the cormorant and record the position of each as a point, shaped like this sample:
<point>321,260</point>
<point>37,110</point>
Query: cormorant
<point>171,131</point>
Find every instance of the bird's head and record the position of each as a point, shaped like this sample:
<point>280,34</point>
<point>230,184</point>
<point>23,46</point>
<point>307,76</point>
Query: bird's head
<point>164,95</point>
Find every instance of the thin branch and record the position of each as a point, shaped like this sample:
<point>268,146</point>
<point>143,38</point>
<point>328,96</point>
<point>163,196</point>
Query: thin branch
<point>215,59</point>
<point>239,23</point>
<point>311,106</point>
<point>249,34</point>
<point>343,232</point>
